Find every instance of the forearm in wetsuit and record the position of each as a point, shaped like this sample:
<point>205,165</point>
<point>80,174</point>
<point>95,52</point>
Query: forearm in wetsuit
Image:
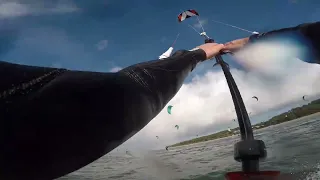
<point>310,31</point>
<point>69,119</point>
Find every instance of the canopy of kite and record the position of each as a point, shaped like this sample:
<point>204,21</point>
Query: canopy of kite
<point>169,109</point>
<point>255,97</point>
<point>187,14</point>
<point>176,126</point>
<point>304,97</point>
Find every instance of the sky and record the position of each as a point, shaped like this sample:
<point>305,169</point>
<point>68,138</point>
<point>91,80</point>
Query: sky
<point>108,35</point>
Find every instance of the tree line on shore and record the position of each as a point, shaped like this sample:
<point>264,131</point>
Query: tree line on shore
<point>308,109</point>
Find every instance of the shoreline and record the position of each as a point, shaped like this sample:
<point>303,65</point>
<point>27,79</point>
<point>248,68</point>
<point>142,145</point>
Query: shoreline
<point>230,135</point>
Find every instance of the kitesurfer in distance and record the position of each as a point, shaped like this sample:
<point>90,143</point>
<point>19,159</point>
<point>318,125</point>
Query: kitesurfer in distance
<point>56,121</point>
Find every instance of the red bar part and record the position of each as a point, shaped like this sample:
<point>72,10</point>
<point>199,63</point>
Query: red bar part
<point>262,175</point>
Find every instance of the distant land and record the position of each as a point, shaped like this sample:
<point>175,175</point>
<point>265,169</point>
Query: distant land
<point>305,110</point>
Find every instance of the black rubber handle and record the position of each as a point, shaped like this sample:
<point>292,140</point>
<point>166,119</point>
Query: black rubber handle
<point>208,40</point>
<point>212,41</point>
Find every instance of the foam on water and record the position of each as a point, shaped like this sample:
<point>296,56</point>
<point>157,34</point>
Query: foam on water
<point>314,175</point>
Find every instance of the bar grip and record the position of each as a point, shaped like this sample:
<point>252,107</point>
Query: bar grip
<point>208,40</point>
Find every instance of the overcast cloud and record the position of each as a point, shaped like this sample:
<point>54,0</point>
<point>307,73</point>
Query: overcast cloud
<point>18,8</point>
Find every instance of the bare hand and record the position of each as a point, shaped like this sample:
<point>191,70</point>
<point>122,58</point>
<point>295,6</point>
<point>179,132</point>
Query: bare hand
<point>235,45</point>
<point>211,49</point>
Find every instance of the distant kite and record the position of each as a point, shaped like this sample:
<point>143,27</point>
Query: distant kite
<point>304,97</point>
<point>255,97</point>
<point>169,109</point>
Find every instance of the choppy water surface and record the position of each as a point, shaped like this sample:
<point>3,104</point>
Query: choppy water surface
<point>293,148</point>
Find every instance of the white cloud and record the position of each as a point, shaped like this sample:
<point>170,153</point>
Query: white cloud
<point>102,45</point>
<point>205,105</point>
<point>115,69</point>
<point>202,21</point>
<point>11,9</point>
<point>63,8</point>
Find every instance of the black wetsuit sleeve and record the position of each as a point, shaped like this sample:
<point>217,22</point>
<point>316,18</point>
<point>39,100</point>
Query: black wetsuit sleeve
<point>311,31</point>
<point>55,121</point>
